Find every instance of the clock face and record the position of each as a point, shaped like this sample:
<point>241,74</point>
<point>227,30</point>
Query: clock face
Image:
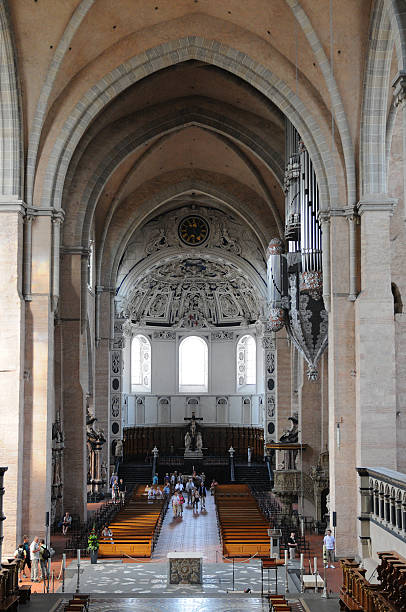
<point>193,230</point>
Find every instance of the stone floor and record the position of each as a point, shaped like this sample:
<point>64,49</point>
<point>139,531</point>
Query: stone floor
<point>146,579</point>
<point>194,532</point>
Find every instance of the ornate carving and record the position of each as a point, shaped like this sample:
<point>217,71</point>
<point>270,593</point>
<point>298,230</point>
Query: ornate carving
<point>164,334</point>
<point>222,336</point>
<point>185,571</point>
<point>193,292</point>
<point>268,343</point>
<point>115,362</point>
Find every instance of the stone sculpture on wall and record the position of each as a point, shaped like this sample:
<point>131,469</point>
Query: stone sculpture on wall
<point>193,293</point>
<point>58,445</point>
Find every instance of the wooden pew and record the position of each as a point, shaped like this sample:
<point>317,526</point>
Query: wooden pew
<point>243,528</point>
<point>135,528</point>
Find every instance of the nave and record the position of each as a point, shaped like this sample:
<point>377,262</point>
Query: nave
<point>195,531</point>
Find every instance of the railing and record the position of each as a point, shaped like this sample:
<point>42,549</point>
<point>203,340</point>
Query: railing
<point>383,503</point>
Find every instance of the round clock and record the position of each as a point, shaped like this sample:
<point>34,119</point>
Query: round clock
<point>193,230</point>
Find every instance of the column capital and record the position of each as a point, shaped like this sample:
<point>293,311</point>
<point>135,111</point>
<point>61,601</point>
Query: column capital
<point>57,214</point>
<point>399,88</point>
<point>351,212</point>
<point>376,202</point>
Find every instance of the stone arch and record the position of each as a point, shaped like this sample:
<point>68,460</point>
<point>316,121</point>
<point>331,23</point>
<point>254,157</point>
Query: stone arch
<point>387,30</point>
<point>170,125</point>
<point>75,21</point>
<point>170,53</point>
<point>108,260</point>
<point>373,132</point>
<point>11,129</point>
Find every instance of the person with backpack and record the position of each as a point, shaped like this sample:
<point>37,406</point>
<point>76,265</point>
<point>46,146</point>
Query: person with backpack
<point>44,556</point>
<point>27,559</point>
<point>19,556</point>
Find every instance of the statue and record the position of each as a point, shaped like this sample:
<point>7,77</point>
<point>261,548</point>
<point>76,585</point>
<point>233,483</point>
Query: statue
<point>199,441</point>
<point>192,429</point>
<point>118,453</point>
<point>290,437</point>
<point>188,441</point>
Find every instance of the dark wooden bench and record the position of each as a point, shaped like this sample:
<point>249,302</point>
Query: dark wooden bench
<point>9,603</point>
<point>24,593</point>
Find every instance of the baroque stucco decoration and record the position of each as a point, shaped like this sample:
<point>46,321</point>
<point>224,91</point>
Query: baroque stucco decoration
<point>193,293</point>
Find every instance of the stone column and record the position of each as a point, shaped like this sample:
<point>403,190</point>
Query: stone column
<point>2,517</point>
<point>39,387</point>
<point>341,384</point>
<point>399,95</point>
<point>116,385</point>
<point>102,367</point>
<point>375,346</point>
<point>270,425</point>
<point>12,338</point>
<point>74,404</point>
<point>375,339</point>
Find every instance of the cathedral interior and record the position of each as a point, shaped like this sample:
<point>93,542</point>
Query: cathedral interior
<point>203,222</point>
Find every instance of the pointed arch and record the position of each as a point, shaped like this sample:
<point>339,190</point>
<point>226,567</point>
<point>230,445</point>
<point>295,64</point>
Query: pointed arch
<point>11,129</point>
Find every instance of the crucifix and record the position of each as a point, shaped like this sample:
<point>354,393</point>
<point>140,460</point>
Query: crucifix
<point>192,424</point>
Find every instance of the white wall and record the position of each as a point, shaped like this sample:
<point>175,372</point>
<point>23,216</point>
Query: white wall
<point>144,409</point>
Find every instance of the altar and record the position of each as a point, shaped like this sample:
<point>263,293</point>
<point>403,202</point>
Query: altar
<point>185,568</point>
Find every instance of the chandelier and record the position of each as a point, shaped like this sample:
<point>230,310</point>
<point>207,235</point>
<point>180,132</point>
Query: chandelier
<point>295,281</point>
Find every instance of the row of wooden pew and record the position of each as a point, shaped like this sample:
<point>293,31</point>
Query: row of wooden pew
<point>278,603</point>
<point>79,603</point>
<point>135,528</point>
<point>242,526</point>
<point>357,593</point>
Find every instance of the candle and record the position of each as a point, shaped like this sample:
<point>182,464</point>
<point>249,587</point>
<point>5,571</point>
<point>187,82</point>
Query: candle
<point>78,556</point>
<point>315,564</point>
<point>301,560</point>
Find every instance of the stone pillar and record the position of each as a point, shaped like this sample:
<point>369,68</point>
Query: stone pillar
<point>39,387</point>
<point>74,408</point>
<point>399,95</point>
<point>341,384</point>
<point>270,425</point>
<point>116,386</point>
<point>12,336</point>
<point>375,346</point>
<point>283,385</point>
<point>102,367</point>
<point>2,517</point>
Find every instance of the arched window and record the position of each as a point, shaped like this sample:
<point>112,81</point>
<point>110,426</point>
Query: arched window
<point>193,365</point>
<point>140,364</point>
<point>246,362</point>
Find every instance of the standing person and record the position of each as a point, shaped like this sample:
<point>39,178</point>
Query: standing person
<point>34,554</point>
<point>167,489</point>
<point>115,492</point>
<point>195,500</point>
<point>175,505</point>
<point>27,559</point>
<point>329,543</point>
<point>121,489</point>
<point>292,545</point>
<point>155,479</point>
<point>19,556</point>
<point>66,523</point>
<point>181,502</point>
<point>113,480</point>
<point>44,555</point>
<point>202,494</point>
<point>189,490</point>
